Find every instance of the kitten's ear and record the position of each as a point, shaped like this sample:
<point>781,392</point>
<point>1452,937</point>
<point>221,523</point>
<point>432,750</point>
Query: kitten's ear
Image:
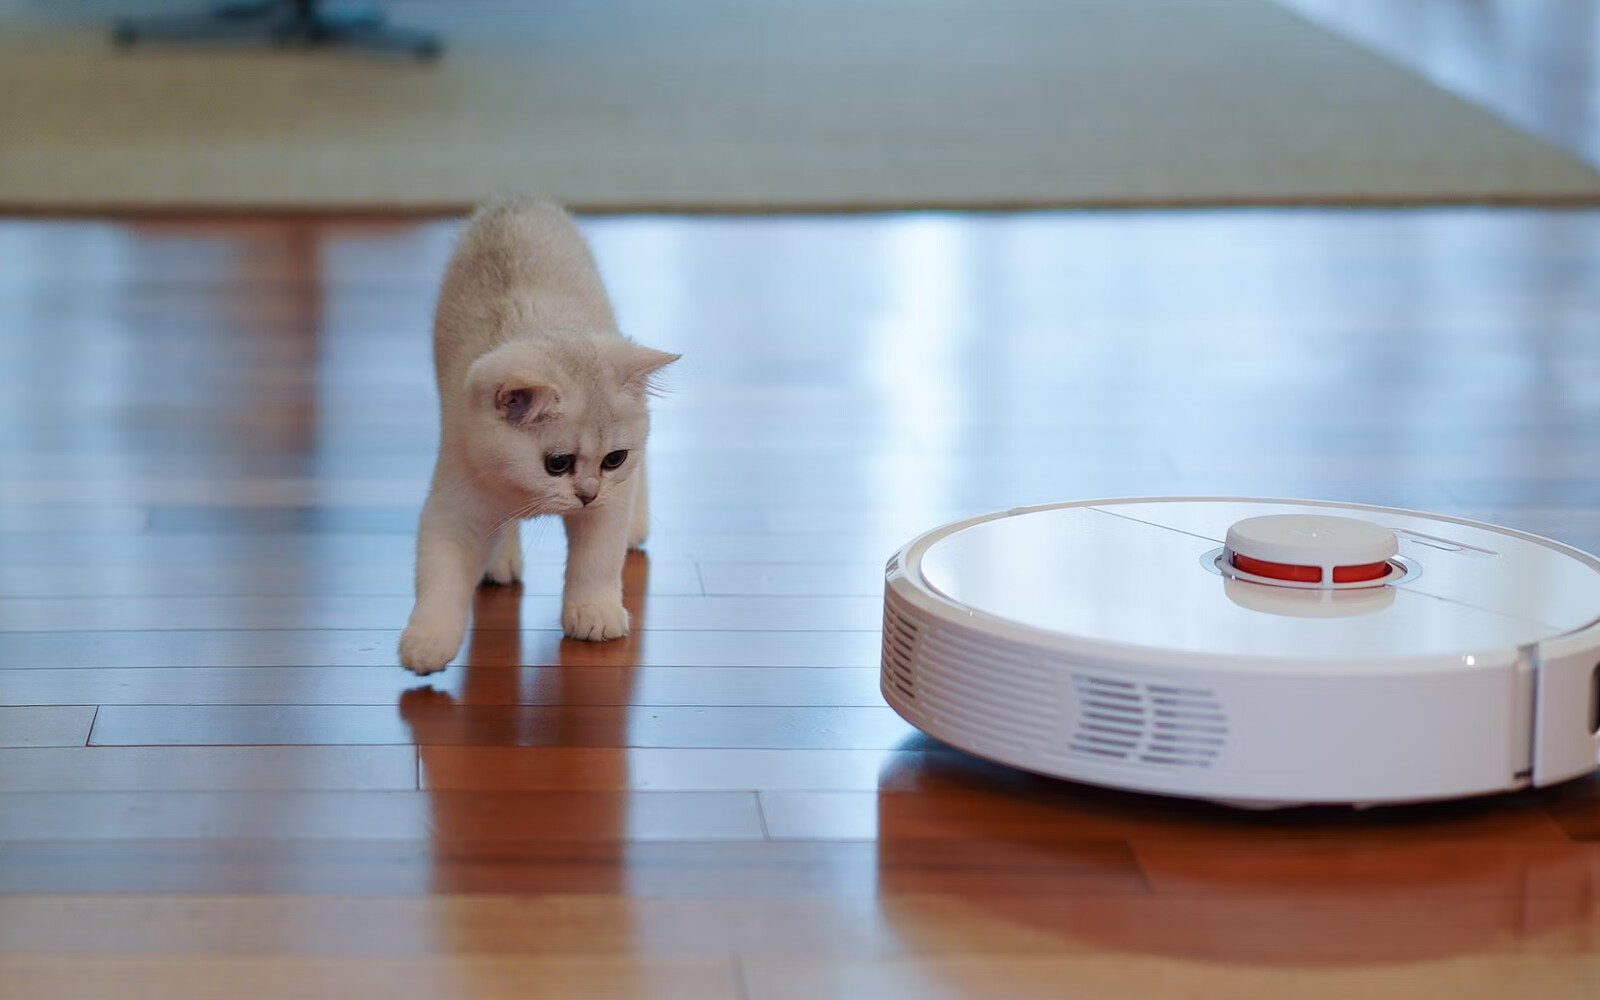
<point>522,402</point>
<point>513,387</point>
<point>638,367</point>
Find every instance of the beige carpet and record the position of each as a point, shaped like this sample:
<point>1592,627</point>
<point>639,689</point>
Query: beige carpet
<point>756,104</point>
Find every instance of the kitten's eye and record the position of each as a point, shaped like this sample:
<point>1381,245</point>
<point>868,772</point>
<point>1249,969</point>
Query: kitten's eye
<point>614,460</point>
<point>558,465</point>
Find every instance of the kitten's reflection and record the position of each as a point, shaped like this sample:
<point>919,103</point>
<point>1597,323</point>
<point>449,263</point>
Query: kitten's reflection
<point>522,751</point>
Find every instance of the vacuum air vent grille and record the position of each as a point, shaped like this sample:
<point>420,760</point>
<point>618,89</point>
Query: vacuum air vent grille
<point>1005,699</point>
<point>899,639</point>
<point>1144,723</point>
<point>996,697</point>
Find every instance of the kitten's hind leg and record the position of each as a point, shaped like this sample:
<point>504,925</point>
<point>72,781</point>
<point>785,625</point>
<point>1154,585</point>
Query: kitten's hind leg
<point>639,525</point>
<point>506,565</point>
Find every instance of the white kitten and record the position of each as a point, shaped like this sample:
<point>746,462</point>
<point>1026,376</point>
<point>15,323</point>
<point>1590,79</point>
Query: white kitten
<point>542,406</point>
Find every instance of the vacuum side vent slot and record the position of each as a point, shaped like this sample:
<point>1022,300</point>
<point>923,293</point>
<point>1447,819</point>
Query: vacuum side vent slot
<point>1161,725</point>
<point>1009,703</point>
<point>899,639</point>
<point>1112,718</point>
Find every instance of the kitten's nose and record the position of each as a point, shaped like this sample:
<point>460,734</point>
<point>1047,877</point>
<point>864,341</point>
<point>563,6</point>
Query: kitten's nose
<point>586,492</point>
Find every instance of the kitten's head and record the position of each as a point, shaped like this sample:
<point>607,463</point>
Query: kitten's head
<point>560,421</point>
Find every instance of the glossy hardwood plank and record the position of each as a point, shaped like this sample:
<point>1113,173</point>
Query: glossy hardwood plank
<point>1373,929</point>
<point>1062,814</point>
<point>984,484</point>
<point>1447,868</point>
<point>923,766</point>
<point>544,925</point>
<point>1576,806</point>
<point>987,480</point>
<point>201,977</point>
<point>608,768</point>
<point>362,579</point>
<point>485,647</point>
<point>861,579</point>
<point>477,685</point>
<point>494,610</point>
<point>126,769</point>
<point>1275,931</point>
<point>1028,977</point>
<point>545,536</point>
<point>430,717</point>
<point>30,519</point>
<point>641,868</point>
<point>46,726</point>
<point>360,815</point>
<point>241,553</point>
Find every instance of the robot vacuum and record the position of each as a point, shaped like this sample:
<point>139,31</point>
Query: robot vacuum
<point>1260,653</point>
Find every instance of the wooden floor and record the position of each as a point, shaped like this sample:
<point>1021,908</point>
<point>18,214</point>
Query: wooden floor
<point>214,438</point>
<point>215,781</point>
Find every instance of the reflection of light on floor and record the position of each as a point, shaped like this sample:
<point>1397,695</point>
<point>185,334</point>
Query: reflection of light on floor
<point>643,267</point>
<point>646,267</point>
<point>74,407</point>
<point>912,362</point>
<point>91,384</point>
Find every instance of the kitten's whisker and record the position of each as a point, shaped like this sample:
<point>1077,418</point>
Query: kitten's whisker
<point>530,509</point>
<point>541,528</point>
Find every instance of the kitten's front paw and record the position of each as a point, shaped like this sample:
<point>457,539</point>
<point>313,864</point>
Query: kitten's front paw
<point>595,621</point>
<point>426,652</point>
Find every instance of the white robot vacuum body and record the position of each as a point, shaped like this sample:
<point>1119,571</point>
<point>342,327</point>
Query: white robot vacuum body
<point>1260,653</point>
